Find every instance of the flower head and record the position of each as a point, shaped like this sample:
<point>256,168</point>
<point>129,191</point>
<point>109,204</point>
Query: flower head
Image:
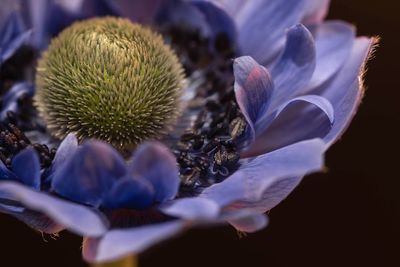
<point>250,130</point>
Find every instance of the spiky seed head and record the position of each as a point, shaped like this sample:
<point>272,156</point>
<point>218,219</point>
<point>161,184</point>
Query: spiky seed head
<point>109,79</point>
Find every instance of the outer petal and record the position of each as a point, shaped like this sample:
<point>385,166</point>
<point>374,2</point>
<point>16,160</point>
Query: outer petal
<point>89,174</point>
<point>295,67</point>
<point>301,118</point>
<point>334,42</point>
<point>261,26</point>
<point>316,11</point>
<point>77,218</point>
<point>116,244</point>
<point>26,166</point>
<point>66,149</point>
<point>255,177</point>
<point>346,91</point>
<point>250,224</point>
<point>155,163</point>
<point>192,209</point>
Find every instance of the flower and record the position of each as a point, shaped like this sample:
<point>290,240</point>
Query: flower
<point>297,84</point>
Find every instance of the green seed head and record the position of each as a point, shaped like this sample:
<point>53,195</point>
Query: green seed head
<point>110,79</point>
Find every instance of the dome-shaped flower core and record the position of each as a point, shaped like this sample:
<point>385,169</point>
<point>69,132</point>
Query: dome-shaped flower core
<point>109,79</point>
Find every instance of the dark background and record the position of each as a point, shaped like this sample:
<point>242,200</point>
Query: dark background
<point>347,217</point>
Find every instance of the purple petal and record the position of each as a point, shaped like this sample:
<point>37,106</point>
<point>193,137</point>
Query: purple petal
<point>262,24</point>
<point>192,209</point>
<point>295,67</point>
<point>77,218</point>
<point>156,164</point>
<point>250,224</point>
<point>130,193</point>
<point>89,174</point>
<point>117,244</point>
<point>36,220</point>
<point>247,185</point>
<point>137,10</point>
<point>334,42</point>
<point>346,91</point>
<point>6,174</point>
<point>26,166</point>
<point>301,118</point>
<point>316,11</point>
<point>253,90</point>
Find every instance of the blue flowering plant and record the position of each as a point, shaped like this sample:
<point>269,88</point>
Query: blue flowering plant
<point>127,122</point>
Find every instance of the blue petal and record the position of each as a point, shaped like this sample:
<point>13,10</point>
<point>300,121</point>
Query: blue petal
<point>253,90</point>
<point>334,42</point>
<point>130,193</point>
<point>88,175</point>
<point>12,36</point>
<point>6,174</point>
<point>295,67</point>
<point>77,218</point>
<point>182,13</point>
<point>346,91</point>
<point>26,166</point>
<point>218,20</point>
<point>250,224</point>
<point>299,119</point>
<point>10,100</point>
<point>262,24</point>
<point>155,163</point>
<point>117,244</point>
<point>316,11</point>
<point>192,209</point>
<point>246,187</point>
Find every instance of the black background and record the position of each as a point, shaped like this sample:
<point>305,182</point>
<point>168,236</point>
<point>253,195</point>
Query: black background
<point>347,217</point>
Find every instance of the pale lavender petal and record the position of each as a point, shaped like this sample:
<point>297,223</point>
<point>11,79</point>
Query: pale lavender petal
<point>192,209</point>
<point>77,218</point>
<point>66,149</point>
<point>262,26</point>
<point>334,42</point>
<point>346,91</point>
<point>316,11</point>
<point>117,244</point>
<point>10,99</point>
<point>299,119</point>
<point>250,224</point>
<point>247,186</point>
<point>295,68</point>
<point>156,164</point>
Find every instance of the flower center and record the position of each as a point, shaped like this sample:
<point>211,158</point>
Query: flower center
<point>109,79</point>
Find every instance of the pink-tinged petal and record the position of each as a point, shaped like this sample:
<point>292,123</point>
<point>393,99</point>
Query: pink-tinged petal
<point>247,185</point>
<point>77,218</point>
<point>295,67</point>
<point>334,42</point>
<point>154,163</point>
<point>192,209</point>
<point>262,26</point>
<point>346,91</point>
<point>250,224</point>
<point>299,119</point>
<point>117,244</point>
<point>253,90</point>
<point>316,11</point>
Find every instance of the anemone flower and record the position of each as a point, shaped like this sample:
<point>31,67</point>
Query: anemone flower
<point>211,113</point>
